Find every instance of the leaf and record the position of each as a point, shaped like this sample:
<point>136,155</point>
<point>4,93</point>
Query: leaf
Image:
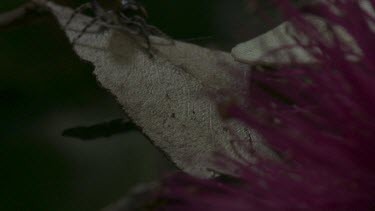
<point>101,130</point>
<point>168,96</point>
<point>253,51</point>
<point>285,50</point>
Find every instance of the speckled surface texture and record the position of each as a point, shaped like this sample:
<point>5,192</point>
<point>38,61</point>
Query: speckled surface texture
<point>167,95</point>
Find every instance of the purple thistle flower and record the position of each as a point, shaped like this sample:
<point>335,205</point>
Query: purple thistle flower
<point>319,117</point>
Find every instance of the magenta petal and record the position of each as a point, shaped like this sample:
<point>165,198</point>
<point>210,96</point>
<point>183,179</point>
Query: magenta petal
<point>325,127</point>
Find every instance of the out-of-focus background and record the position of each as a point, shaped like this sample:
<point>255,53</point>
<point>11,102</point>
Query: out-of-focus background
<point>45,88</point>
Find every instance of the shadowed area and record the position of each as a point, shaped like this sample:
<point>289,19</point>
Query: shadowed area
<point>45,89</point>
<point>100,130</point>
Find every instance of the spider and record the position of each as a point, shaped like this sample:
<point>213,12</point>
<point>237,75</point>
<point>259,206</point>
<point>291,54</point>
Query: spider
<point>122,14</point>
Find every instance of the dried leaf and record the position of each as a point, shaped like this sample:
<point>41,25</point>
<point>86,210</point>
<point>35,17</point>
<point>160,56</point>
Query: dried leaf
<point>281,42</point>
<point>167,95</point>
<point>281,39</point>
<point>253,51</point>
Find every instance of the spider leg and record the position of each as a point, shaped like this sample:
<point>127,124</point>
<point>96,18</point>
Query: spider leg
<point>92,22</point>
<point>153,30</point>
<point>79,30</point>
<point>145,35</point>
<point>142,30</point>
<point>78,10</point>
<point>156,31</point>
<point>98,20</point>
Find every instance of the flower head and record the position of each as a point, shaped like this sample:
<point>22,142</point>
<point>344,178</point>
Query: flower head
<point>319,117</point>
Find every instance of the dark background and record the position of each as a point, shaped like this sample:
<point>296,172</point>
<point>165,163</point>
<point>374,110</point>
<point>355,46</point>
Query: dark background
<point>45,88</point>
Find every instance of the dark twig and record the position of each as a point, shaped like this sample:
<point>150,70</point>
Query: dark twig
<point>101,130</point>
<point>9,17</point>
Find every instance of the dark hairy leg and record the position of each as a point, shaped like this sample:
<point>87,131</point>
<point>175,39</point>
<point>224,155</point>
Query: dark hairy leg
<point>79,9</point>
<point>83,31</point>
